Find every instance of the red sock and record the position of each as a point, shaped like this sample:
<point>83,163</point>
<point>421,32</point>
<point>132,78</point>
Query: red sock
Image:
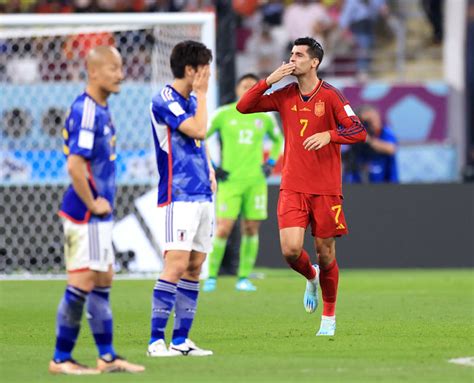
<point>328,279</point>
<point>303,265</point>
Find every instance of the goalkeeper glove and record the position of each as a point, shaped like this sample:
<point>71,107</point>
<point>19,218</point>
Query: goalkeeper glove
<point>268,166</point>
<point>221,174</point>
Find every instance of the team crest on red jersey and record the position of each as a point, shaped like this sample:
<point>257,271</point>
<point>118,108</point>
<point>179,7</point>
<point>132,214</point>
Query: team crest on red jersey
<point>319,109</point>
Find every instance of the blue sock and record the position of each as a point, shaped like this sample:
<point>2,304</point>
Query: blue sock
<point>100,320</point>
<point>164,296</point>
<point>185,309</point>
<point>68,322</point>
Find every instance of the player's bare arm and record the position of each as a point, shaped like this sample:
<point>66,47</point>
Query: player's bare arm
<point>212,173</point>
<point>77,169</point>
<point>317,141</point>
<point>282,71</point>
<point>196,127</point>
<point>381,146</point>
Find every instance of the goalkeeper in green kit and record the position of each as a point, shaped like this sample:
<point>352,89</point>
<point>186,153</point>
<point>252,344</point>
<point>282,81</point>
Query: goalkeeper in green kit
<point>242,186</point>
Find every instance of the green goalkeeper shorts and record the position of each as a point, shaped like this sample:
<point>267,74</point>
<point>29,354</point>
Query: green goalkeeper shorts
<point>246,198</point>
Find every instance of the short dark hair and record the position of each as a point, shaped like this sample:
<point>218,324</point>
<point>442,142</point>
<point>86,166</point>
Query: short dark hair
<point>191,53</point>
<point>253,76</point>
<point>315,49</point>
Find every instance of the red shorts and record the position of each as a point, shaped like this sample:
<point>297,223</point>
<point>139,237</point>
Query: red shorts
<point>324,212</point>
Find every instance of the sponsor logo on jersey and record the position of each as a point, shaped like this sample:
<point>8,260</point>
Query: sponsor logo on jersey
<point>305,109</point>
<point>258,123</point>
<point>181,235</point>
<point>319,109</point>
<point>294,108</point>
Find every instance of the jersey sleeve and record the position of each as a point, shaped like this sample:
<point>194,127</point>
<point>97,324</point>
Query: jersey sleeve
<point>388,136</point>
<point>254,100</point>
<point>81,130</point>
<point>169,113</point>
<point>350,130</point>
<point>274,132</point>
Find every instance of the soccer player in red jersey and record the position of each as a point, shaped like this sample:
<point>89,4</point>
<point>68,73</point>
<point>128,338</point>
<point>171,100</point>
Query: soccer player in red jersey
<point>316,120</point>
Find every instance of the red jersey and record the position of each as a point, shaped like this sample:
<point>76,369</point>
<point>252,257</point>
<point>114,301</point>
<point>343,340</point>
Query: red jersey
<point>326,109</point>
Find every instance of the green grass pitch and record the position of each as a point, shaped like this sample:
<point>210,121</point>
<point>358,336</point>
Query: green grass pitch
<point>393,326</point>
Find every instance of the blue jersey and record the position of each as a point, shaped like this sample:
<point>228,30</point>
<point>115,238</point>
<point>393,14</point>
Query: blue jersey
<point>383,167</point>
<point>182,162</point>
<point>89,133</point>
<point>377,167</point>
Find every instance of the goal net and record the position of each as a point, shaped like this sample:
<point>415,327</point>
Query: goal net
<point>42,71</point>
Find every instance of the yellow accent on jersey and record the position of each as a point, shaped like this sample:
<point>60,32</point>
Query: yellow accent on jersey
<point>66,150</point>
<point>65,134</point>
<point>303,122</point>
<point>338,209</point>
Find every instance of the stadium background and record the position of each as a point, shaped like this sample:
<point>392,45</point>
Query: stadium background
<point>416,79</point>
<point>406,290</point>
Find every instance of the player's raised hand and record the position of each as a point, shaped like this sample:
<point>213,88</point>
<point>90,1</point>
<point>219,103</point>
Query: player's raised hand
<point>101,206</point>
<point>201,79</point>
<point>283,70</point>
<point>317,141</point>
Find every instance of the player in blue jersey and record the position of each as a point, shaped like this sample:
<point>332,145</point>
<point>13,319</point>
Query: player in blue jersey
<point>373,161</point>
<point>87,211</point>
<point>185,187</point>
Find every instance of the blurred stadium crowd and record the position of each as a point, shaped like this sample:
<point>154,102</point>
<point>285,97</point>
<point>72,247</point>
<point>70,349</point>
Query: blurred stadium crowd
<point>266,28</point>
<point>398,43</point>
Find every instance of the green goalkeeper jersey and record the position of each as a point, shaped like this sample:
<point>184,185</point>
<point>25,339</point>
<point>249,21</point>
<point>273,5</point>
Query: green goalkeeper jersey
<point>241,139</point>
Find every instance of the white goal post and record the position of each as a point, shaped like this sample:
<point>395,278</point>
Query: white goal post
<point>14,26</point>
<point>42,71</point>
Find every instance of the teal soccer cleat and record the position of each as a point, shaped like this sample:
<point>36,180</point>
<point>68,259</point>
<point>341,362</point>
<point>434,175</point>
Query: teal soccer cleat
<point>245,285</point>
<point>328,326</point>
<point>209,285</point>
<point>310,300</point>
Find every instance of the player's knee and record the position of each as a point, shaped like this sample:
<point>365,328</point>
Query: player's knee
<point>194,268</point>
<point>84,280</point>
<point>326,259</point>
<point>104,279</point>
<point>85,284</point>
<point>326,254</point>
<point>175,271</point>
<point>223,232</point>
<point>193,274</point>
<point>291,251</point>
<point>250,228</point>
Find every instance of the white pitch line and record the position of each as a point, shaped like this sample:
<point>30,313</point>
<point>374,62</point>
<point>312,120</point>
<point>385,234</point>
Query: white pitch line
<point>465,361</point>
